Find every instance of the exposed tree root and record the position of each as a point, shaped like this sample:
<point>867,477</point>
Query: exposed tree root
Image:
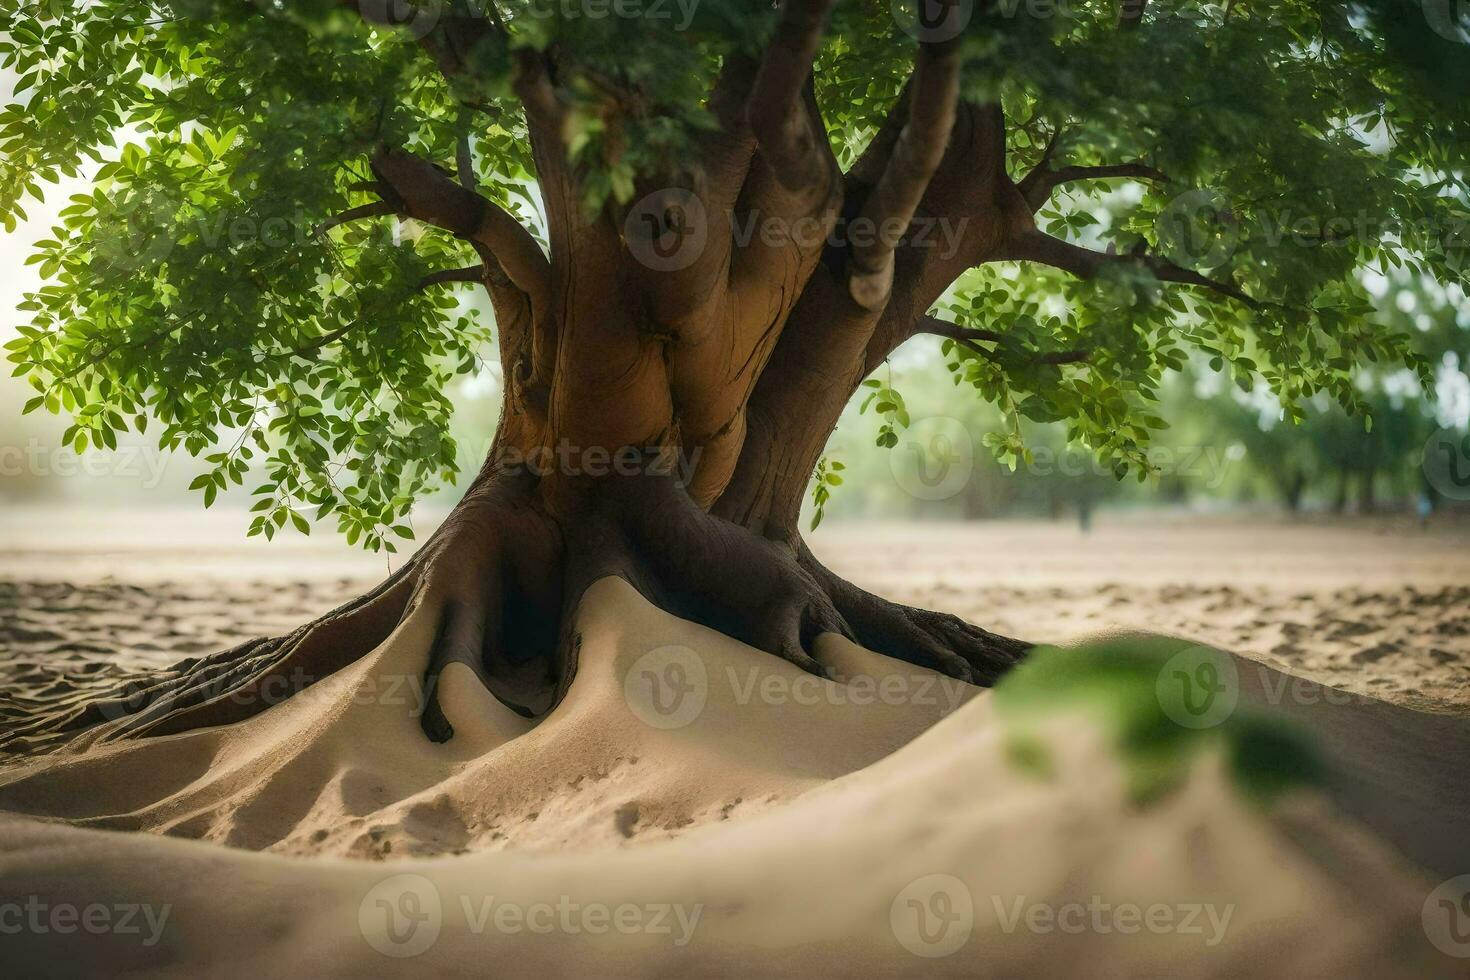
<point>497,583</point>
<point>940,641</point>
<point>704,569</point>
<point>493,552</point>
<point>739,364</point>
<point>225,686</point>
<point>506,577</point>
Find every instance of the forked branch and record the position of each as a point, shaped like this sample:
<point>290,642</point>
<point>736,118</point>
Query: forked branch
<point>775,112</point>
<point>972,337</point>
<point>916,155</point>
<point>944,328</point>
<point>420,190</point>
<point>1035,245</point>
<point>1038,185</point>
<point>473,273</point>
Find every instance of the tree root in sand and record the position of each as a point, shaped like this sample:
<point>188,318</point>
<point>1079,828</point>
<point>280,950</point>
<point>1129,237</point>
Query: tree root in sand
<point>918,798</point>
<point>502,580</point>
<point>344,766</point>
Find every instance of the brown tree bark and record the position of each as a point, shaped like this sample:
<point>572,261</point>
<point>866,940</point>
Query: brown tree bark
<point>661,421</point>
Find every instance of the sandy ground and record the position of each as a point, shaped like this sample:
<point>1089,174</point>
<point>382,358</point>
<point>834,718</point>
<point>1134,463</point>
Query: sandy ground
<point>694,807</point>
<point>1379,607</point>
<point>723,836</point>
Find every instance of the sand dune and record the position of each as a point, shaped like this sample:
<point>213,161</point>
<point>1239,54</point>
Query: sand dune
<point>345,768</point>
<point>697,807</point>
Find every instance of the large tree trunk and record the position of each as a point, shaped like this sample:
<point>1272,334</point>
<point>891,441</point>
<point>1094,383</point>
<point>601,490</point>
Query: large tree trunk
<point>661,424</point>
<point>543,520</point>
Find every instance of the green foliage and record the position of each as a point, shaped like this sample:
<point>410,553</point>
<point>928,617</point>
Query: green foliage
<point>829,475</point>
<point>1114,683</point>
<point>1306,144</point>
<point>193,286</point>
<point>888,404</point>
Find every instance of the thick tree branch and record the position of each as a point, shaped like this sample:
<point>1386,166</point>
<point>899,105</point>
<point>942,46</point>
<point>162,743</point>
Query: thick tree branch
<point>972,207</point>
<point>945,328</point>
<point>971,338</point>
<point>915,157</point>
<point>730,93</point>
<point>532,83</point>
<point>473,273</point>
<point>1038,185</point>
<point>775,111</point>
<point>420,190</point>
<point>1037,246</point>
<point>726,151</point>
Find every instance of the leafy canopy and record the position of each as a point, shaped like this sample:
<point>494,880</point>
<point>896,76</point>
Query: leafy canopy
<point>1305,144</point>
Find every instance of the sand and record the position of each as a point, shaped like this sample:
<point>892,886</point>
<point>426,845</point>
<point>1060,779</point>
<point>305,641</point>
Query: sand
<point>764,822</point>
<point>1378,607</point>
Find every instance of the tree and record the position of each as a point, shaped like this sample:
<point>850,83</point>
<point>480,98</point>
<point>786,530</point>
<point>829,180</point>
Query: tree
<point>1329,453</point>
<point>701,228</point>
